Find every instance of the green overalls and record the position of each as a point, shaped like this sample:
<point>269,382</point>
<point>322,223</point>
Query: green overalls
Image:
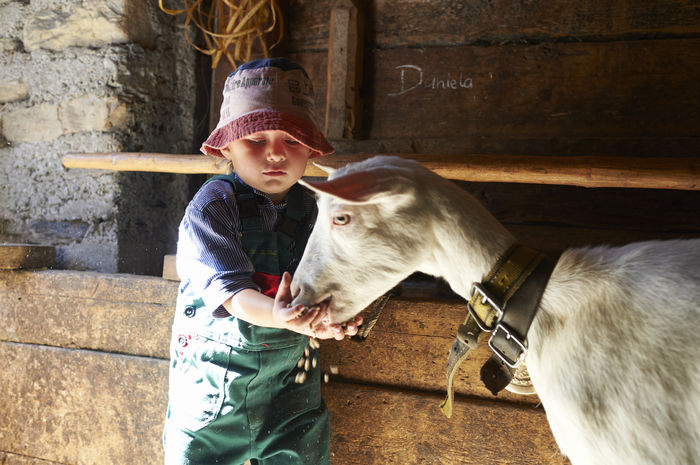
<point>232,390</point>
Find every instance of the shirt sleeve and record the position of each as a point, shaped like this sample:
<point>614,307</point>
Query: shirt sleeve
<point>210,258</point>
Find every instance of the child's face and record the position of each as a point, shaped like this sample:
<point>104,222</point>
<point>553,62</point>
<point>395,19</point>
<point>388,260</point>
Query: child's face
<point>269,161</point>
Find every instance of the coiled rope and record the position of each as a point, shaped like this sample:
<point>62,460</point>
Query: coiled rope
<point>231,22</point>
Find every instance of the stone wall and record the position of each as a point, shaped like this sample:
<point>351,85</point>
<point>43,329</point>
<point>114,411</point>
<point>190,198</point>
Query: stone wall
<point>93,76</point>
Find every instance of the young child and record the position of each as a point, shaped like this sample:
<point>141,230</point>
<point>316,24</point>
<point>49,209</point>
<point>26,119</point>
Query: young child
<point>236,343</point>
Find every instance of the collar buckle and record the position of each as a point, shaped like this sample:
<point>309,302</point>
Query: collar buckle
<point>478,291</point>
<point>507,345</point>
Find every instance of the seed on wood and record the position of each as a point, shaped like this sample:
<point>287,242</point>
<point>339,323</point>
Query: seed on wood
<point>326,378</point>
<point>334,369</point>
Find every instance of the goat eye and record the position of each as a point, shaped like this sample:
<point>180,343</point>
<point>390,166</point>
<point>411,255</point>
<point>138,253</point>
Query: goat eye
<point>341,219</point>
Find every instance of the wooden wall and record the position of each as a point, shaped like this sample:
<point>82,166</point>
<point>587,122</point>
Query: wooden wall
<point>84,378</point>
<point>558,78</point>
<point>84,367</point>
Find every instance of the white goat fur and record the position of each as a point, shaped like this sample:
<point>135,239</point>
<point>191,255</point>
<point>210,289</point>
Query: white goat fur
<point>614,350</point>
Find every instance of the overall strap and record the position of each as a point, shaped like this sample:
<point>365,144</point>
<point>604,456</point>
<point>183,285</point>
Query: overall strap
<point>245,200</point>
<point>250,216</point>
<point>247,206</point>
<point>292,224</point>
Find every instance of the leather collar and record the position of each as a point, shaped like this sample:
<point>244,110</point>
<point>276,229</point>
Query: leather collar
<point>504,304</point>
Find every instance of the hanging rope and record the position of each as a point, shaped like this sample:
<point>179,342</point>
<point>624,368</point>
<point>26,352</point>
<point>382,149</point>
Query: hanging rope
<point>231,22</point>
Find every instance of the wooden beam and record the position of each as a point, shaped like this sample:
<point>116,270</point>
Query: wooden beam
<point>18,256</point>
<point>585,171</point>
<point>119,313</point>
<point>344,71</point>
<point>150,162</point>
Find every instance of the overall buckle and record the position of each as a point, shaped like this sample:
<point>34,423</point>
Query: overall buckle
<point>479,291</point>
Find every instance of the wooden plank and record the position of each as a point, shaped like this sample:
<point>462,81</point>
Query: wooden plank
<point>377,426</point>
<point>343,111</point>
<point>602,98</point>
<point>612,209</point>
<point>120,313</point>
<point>408,349</point>
<point>81,407</point>
<point>609,89</point>
<point>135,289</point>
<point>583,217</point>
<point>113,313</point>
<point>630,172</point>
<point>170,268</point>
<point>17,256</point>
<point>14,459</point>
<point>552,239</point>
<point>397,23</point>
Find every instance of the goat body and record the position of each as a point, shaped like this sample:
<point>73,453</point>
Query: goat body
<point>614,350</point>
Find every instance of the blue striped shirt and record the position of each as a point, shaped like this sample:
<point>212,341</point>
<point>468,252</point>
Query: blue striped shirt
<point>210,259</point>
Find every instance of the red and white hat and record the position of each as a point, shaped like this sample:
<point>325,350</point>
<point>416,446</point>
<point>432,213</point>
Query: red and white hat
<point>274,93</point>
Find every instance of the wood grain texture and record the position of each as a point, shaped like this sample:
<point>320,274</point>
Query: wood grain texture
<point>81,407</point>
<point>151,162</point>
<point>397,23</point>
<point>595,98</point>
<point>94,311</point>
<point>18,256</point>
<point>650,173</point>
<point>643,172</point>
<point>133,314</point>
<point>378,426</point>
<point>345,43</point>
<point>408,349</point>
<point>592,89</point>
<point>86,407</point>
<point>16,459</point>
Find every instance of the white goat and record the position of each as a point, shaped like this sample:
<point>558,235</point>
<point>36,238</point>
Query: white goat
<point>614,350</point>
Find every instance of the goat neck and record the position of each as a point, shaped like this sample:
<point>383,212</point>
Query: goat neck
<point>468,239</point>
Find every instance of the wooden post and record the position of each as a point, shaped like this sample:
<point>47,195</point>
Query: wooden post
<point>344,72</point>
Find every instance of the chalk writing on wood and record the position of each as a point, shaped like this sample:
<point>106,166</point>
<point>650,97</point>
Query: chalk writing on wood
<point>412,77</point>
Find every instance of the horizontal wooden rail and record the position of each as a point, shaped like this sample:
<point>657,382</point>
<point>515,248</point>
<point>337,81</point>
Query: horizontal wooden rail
<point>152,162</point>
<point>586,171</point>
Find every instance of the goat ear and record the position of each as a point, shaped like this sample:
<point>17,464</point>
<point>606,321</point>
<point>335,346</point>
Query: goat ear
<point>358,187</point>
<point>325,168</point>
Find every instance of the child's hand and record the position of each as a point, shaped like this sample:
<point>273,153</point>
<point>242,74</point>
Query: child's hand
<point>293,318</point>
<point>312,323</point>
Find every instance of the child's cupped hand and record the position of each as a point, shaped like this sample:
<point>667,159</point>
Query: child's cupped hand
<point>314,322</point>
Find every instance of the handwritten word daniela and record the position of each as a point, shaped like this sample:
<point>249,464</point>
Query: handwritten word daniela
<point>412,78</point>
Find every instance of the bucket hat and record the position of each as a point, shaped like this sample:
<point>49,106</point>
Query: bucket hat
<point>268,94</point>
